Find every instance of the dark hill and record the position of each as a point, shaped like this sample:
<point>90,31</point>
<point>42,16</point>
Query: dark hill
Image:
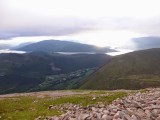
<point>63,46</point>
<point>134,70</point>
<point>21,72</point>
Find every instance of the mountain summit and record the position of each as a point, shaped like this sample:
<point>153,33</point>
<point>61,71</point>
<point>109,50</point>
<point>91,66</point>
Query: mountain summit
<point>63,46</point>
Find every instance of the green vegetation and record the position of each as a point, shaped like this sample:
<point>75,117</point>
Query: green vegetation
<point>136,70</point>
<point>28,108</point>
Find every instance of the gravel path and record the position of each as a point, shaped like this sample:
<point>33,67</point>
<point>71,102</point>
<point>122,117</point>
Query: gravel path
<point>53,94</point>
<point>139,106</point>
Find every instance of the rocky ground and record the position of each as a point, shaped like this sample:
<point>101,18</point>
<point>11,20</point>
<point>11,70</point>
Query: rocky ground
<point>136,106</point>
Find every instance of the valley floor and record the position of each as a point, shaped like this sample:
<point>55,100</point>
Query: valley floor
<point>82,105</point>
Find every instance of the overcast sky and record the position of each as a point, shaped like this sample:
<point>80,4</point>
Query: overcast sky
<point>98,22</point>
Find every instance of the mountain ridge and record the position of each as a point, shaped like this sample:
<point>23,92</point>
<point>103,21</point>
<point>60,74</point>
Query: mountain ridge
<point>63,46</point>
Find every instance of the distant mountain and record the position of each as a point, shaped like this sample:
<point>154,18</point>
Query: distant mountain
<point>146,42</point>
<point>134,70</point>
<point>22,45</point>
<point>23,72</point>
<point>63,46</point>
<point>4,46</point>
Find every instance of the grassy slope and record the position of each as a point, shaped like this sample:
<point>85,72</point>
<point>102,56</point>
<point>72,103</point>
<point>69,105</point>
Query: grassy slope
<point>135,70</point>
<point>28,108</point>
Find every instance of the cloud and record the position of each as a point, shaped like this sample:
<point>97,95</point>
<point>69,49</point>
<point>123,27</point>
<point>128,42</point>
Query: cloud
<point>62,18</point>
<point>37,26</point>
<point>145,27</point>
<point>67,26</point>
<point>20,21</point>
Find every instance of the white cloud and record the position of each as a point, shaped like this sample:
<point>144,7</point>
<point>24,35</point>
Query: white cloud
<point>91,21</point>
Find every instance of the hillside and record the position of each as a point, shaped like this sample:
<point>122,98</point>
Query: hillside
<point>63,46</point>
<point>42,71</point>
<point>134,70</point>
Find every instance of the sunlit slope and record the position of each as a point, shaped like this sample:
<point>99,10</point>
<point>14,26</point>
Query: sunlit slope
<point>134,70</point>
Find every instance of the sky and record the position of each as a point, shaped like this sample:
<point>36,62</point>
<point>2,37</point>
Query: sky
<point>98,22</point>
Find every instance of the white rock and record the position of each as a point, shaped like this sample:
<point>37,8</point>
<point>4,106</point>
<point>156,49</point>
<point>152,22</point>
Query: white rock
<point>84,116</point>
<point>133,117</point>
<point>106,117</point>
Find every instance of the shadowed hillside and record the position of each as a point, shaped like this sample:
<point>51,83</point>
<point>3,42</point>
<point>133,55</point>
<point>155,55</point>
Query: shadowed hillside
<point>22,72</point>
<point>134,70</point>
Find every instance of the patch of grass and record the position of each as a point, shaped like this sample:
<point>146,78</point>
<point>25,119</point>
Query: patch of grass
<point>25,108</point>
<point>144,90</point>
<point>28,108</point>
<point>99,92</point>
<point>78,90</point>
